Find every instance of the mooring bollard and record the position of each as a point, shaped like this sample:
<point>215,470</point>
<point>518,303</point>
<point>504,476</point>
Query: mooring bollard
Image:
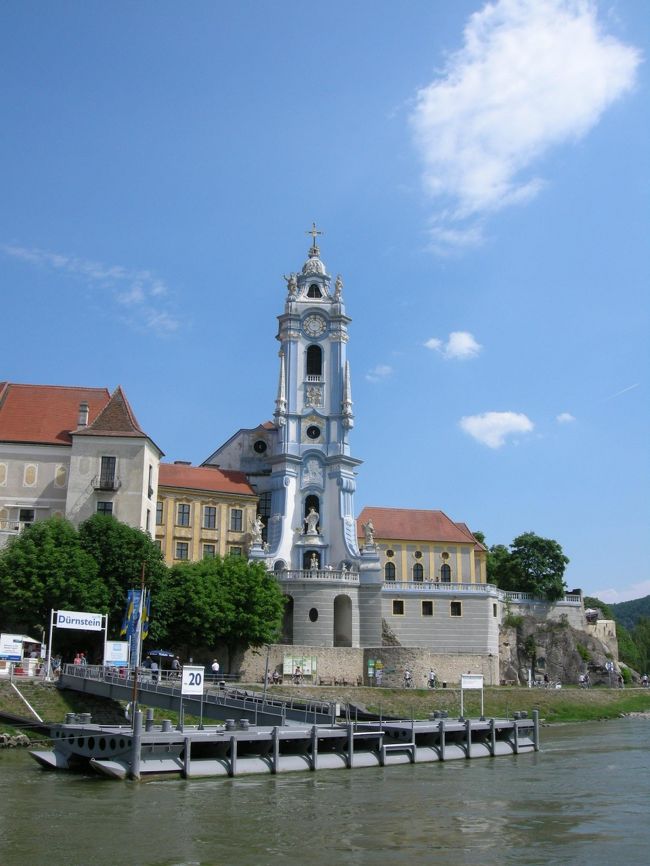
<point>148,722</point>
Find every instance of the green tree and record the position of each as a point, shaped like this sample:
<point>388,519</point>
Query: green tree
<point>45,568</point>
<point>187,604</point>
<point>221,601</point>
<point>501,569</point>
<point>250,605</point>
<point>541,564</point>
<point>531,564</point>
<point>120,552</point>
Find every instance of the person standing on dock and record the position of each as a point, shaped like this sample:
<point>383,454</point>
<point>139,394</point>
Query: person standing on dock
<point>215,668</point>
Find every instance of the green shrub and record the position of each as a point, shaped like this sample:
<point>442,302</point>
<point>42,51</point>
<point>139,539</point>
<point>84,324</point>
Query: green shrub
<point>583,652</point>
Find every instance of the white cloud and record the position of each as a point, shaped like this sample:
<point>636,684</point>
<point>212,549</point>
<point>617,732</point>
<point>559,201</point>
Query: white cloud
<point>531,75</point>
<point>381,371</point>
<point>492,428</point>
<point>565,418</point>
<point>626,593</point>
<point>460,346</point>
<point>138,291</point>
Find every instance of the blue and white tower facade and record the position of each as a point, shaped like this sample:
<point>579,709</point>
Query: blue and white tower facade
<point>312,523</point>
<point>302,469</point>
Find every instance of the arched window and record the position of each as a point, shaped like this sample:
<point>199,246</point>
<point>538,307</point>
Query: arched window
<point>445,573</point>
<point>314,361</point>
<point>418,572</point>
<point>314,291</point>
<point>389,571</point>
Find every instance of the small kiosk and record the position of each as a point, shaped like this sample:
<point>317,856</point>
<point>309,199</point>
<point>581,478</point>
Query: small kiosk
<point>20,655</point>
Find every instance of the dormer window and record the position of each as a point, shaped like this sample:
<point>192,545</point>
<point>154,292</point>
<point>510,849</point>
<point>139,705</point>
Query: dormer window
<point>314,291</point>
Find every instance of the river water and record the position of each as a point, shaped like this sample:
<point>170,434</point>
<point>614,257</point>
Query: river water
<point>583,799</point>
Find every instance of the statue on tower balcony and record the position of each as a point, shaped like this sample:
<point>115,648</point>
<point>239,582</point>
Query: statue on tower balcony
<point>369,532</point>
<point>312,522</point>
<point>313,563</point>
<point>338,288</point>
<point>292,285</point>
<point>257,526</point>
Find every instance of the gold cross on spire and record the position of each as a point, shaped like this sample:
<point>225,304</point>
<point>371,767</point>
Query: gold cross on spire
<point>314,232</point>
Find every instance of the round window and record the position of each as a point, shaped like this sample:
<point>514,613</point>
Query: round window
<point>418,554</point>
<point>313,614</point>
<point>390,553</point>
<point>259,446</point>
<point>313,432</point>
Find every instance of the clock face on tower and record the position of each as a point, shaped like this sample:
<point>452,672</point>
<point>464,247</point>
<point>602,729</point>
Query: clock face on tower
<point>314,325</point>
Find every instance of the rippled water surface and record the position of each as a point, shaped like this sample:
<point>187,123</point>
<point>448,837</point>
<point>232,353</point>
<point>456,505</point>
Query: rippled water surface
<point>584,799</point>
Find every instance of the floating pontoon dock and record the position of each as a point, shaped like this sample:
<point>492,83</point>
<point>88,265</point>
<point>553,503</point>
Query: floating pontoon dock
<point>240,748</point>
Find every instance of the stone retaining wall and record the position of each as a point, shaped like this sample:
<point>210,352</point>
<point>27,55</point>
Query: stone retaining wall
<point>349,664</point>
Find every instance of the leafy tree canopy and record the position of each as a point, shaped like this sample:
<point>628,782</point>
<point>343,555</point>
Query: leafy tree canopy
<point>120,552</point>
<point>221,601</point>
<point>531,564</point>
<point>45,568</point>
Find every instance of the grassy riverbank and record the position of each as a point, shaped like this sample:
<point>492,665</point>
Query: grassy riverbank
<point>554,705</point>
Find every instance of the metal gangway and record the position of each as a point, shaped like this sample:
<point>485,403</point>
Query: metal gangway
<point>220,700</point>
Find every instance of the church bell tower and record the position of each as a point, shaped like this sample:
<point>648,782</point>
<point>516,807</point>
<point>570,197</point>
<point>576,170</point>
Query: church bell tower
<point>312,524</point>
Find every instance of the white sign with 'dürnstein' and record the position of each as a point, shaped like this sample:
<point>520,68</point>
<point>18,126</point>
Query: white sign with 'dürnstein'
<point>192,683</point>
<point>78,619</point>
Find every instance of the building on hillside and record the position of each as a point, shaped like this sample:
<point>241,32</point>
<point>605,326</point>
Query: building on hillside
<point>73,452</point>
<point>203,512</point>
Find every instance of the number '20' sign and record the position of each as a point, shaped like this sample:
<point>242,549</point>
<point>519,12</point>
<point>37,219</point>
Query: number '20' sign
<point>192,683</point>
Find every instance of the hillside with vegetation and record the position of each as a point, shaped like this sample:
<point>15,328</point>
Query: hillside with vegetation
<point>628,613</point>
<point>634,639</point>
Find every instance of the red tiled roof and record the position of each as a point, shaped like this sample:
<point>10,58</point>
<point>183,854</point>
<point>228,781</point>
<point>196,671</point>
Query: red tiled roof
<point>115,419</point>
<point>45,414</point>
<point>204,478</point>
<point>410,524</point>
<point>465,528</point>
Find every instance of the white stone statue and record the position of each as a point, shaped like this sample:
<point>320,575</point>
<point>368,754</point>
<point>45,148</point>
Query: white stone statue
<point>313,562</point>
<point>312,473</point>
<point>369,532</point>
<point>312,522</point>
<point>257,526</point>
<point>338,288</point>
<point>292,284</point>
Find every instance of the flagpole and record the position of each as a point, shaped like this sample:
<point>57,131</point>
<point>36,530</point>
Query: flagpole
<point>134,695</point>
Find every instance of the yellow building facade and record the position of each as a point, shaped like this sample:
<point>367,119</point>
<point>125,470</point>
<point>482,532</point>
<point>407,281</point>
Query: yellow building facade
<point>203,512</point>
<point>420,546</point>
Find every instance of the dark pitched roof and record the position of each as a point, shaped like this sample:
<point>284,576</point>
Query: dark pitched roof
<point>115,419</point>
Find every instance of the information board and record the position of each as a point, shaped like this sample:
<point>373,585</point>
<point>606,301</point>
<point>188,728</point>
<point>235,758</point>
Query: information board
<point>11,647</point>
<point>471,681</point>
<point>116,653</point>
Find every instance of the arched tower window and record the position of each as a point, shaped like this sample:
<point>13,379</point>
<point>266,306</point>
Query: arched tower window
<point>445,573</point>
<point>389,571</point>
<point>314,291</point>
<point>418,572</point>
<point>314,361</point>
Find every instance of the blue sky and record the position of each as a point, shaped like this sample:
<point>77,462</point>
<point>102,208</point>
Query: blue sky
<point>481,176</point>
